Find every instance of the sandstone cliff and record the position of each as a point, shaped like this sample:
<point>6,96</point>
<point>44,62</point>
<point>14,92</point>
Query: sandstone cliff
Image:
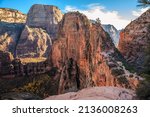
<point>5,63</point>
<point>12,16</point>
<point>35,39</point>
<point>86,56</point>
<point>134,42</point>
<point>46,17</point>
<point>33,42</point>
<point>9,36</point>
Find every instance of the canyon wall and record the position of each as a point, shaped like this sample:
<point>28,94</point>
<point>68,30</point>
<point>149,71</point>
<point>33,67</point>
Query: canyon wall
<point>134,42</point>
<point>12,16</point>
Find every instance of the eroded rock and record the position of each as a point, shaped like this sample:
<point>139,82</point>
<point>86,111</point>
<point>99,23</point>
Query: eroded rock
<point>12,16</point>
<point>46,17</point>
<point>93,51</point>
<point>134,42</point>
<point>97,93</point>
<point>33,42</point>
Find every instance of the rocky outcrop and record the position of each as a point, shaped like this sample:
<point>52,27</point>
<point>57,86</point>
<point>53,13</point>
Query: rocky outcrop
<point>134,42</point>
<point>97,93</point>
<point>86,56</point>
<point>113,32</point>
<point>46,17</point>
<point>9,36</point>
<point>12,16</point>
<point>5,63</point>
<point>33,42</point>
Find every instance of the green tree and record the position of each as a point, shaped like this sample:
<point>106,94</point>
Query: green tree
<point>143,3</point>
<point>98,21</point>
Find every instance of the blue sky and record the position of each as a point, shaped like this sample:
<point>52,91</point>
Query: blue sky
<point>109,11</point>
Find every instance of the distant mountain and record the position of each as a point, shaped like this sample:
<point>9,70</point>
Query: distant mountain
<point>113,32</point>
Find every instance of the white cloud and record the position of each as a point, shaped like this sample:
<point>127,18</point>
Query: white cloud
<point>94,11</point>
<point>139,12</point>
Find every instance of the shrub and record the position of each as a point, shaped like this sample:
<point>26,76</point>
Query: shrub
<point>143,90</point>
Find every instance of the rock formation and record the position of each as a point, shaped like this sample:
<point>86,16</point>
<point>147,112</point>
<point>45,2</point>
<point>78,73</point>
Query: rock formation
<point>97,93</point>
<point>46,17</point>
<point>12,16</point>
<point>9,36</point>
<point>86,56</point>
<point>5,63</point>
<point>134,42</point>
<point>33,42</point>
<point>113,32</point>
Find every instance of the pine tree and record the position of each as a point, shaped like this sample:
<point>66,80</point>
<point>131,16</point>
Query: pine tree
<point>143,3</point>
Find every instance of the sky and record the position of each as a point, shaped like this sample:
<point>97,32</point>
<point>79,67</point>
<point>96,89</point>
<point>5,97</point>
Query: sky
<point>116,12</point>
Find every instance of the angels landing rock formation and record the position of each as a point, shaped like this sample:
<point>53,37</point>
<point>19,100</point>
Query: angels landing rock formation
<point>134,42</point>
<point>85,56</point>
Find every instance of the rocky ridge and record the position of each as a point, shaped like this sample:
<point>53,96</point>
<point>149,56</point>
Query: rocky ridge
<point>12,16</point>
<point>134,42</point>
<point>86,56</point>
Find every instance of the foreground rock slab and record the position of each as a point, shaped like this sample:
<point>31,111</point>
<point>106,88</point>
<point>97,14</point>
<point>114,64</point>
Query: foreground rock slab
<point>97,93</point>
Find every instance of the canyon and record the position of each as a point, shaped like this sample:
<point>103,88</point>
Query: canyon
<point>74,52</point>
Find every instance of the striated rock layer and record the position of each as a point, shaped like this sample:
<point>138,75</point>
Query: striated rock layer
<point>33,42</point>
<point>85,56</point>
<point>12,16</point>
<point>134,42</point>
<point>46,17</point>
<point>9,36</point>
<point>97,93</point>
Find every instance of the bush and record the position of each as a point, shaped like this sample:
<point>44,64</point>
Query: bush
<point>42,85</point>
<point>143,90</point>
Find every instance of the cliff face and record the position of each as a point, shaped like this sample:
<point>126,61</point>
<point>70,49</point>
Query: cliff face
<point>86,56</point>
<point>12,16</point>
<point>34,39</point>
<point>33,42</point>
<point>5,63</point>
<point>113,32</point>
<point>134,42</point>
<point>9,36</point>
<point>41,28</point>
<point>46,17</point>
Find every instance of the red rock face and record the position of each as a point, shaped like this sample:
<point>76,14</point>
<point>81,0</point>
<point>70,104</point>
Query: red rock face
<point>134,42</point>
<point>86,56</point>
